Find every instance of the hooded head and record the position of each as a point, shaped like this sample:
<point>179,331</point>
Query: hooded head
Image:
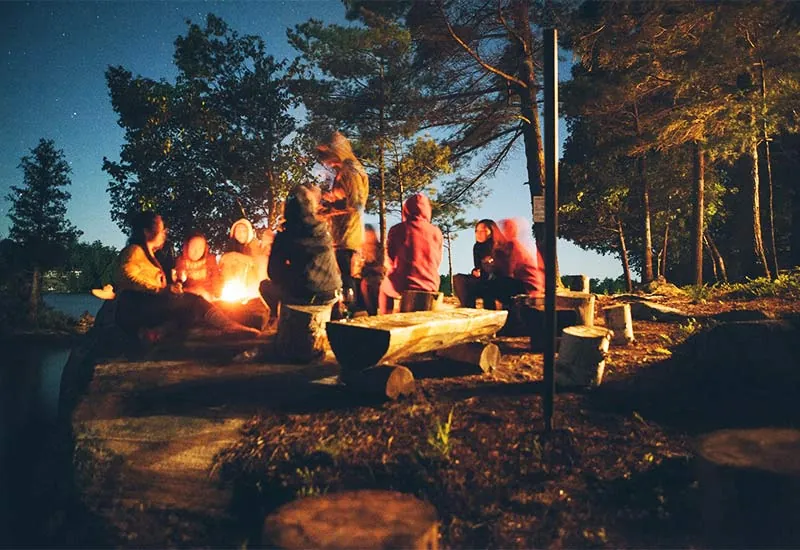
<point>300,212</point>
<point>242,231</point>
<point>336,149</point>
<point>417,207</point>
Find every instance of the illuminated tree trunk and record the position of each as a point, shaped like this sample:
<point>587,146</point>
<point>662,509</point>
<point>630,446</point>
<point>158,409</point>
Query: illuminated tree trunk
<point>623,254</point>
<point>647,253</point>
<point>699,209</point>
<point>768,159</point>
<point>662,264</point>
<point>531,133</point>
<point>450,261</point>
<point>717,259</point>
<point>760,266</point>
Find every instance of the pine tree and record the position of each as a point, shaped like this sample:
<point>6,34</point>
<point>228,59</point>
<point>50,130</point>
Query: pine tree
<point>38,214</point>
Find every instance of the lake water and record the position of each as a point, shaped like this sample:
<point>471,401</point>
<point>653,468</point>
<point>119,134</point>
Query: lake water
<point>73,305</point>
<point>30,385</point>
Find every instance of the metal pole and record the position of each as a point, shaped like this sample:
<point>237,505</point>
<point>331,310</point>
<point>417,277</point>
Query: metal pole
<point>550,217</point>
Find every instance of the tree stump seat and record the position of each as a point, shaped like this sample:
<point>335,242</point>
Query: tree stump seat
<point>366,519</point>
<point>301,334</point>
<point>419,300</point>
<point>582,356</point>
<point>749,483</point>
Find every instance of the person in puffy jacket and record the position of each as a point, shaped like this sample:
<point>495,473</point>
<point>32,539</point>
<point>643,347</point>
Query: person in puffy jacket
<point>414,249</point>
<point>302,265</point>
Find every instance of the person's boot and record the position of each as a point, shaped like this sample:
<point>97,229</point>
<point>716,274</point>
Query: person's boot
<point>219,320</point>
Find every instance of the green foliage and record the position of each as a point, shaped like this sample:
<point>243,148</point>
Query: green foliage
<point>444,285</point>
<point>38,211</point>
<point>439,439</point>
<point>308,486</point>
<point>608,285</point>
<point>691,326</point>
<point>699,293</point>
<point>786,286</point>
<point>213,145</point>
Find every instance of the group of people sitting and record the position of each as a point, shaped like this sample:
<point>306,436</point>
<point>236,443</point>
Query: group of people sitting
<point>322,254</point>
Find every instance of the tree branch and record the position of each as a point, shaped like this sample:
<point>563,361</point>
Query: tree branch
<point>474,54</point>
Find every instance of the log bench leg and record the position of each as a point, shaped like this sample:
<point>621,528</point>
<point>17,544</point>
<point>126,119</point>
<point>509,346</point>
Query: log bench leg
<point>301,334</point>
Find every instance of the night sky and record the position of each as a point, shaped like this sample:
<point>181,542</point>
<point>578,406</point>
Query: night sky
<point>52,86</point>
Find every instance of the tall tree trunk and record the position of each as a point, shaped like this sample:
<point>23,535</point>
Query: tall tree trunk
<point>382,171</point>
<point>35,297</point>
<point>272,203</point>
<point>662,256</point>
<point>768,159</point>
<point>716,257</point>
<point>450,260</point>
<point>531,132</point>
<point>714,269</point>
<point>647,253</point>
<point>699,209</point>
<point>760,265</point>
<point>382,200</point>
<point>623,254</point>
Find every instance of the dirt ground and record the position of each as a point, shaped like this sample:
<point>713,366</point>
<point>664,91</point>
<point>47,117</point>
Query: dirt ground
<point>616,472</point>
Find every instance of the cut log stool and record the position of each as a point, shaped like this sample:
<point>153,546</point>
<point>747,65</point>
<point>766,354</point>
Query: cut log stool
<point>483,356</point>
<point>418,300</point>
<point>750,486</point>
<point>382,381</point>
<point>581,302</point>
<point>366,519</point>
<point>582,356</point>
<point>301,334</point>
<point>618,319</point>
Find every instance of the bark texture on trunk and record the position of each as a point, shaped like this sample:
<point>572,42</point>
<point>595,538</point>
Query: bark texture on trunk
<point>623,254</point>
<point>647,253</point>
<point>759,266</point>
<point>699,209</point>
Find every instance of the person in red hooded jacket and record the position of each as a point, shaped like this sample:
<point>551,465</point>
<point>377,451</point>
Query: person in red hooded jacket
<point>518,264</point>
<point>414,250</point>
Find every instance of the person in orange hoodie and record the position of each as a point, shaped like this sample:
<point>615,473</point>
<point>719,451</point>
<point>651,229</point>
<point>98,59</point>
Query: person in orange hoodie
<point>196,268</point>
<point>414,248</point>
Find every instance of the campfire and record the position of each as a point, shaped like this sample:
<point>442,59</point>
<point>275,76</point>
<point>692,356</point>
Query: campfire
<point>234,291</point>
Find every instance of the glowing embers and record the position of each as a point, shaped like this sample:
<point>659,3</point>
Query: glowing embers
<point>236,291</point>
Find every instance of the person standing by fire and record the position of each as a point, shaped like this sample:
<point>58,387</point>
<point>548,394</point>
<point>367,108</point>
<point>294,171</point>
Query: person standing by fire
<point>343,205</point>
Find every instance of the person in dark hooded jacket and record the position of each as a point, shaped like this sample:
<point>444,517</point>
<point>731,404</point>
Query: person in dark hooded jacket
<point>302,266</point>
<point>414,248</point>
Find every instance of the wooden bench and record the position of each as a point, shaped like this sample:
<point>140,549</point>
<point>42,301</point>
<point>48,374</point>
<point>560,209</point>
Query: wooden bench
<point>366,341</point>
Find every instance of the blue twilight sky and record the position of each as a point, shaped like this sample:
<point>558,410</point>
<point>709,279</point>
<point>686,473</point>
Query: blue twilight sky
<point>52,86</point>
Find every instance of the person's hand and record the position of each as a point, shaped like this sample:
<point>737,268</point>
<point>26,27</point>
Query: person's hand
<point>476,273</point>
<point>176,288</point>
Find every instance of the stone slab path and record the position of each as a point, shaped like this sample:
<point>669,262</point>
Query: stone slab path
<point>146,433</point>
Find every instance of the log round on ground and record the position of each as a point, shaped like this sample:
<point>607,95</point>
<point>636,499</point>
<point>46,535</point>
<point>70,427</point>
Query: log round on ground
<point>618,319</point>
<point>581,302</point>
<point>750,487</point>
<point>382,381</point>
<point>367,519</point>
<point>582,356</point>
<point>484,356</point>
